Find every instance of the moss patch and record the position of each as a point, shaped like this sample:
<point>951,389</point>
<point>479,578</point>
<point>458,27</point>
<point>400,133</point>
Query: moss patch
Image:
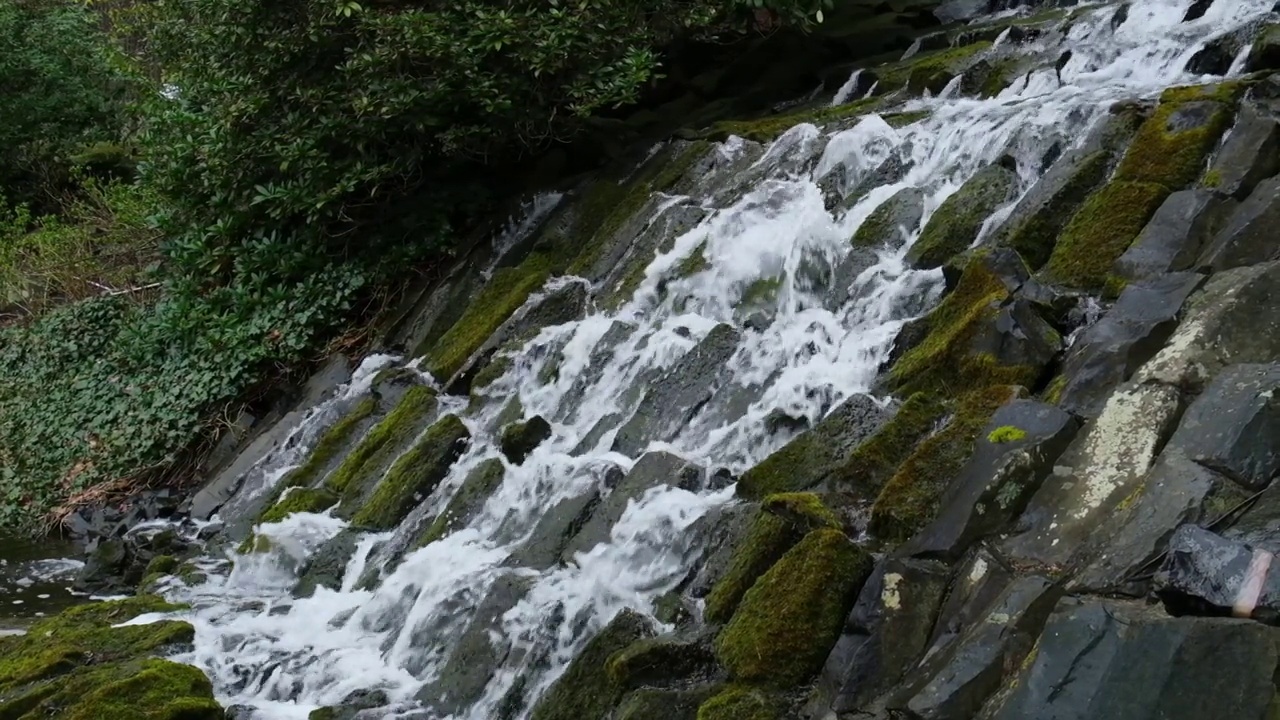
<point>767,129</point>
<point>1035,236</point>
<point>467,502</point>
<point>521,438</point>
<point>1162,153</point>
<point>740,703</point>
<point>386,438</point>
<point>505,292</point>
<point>909,500</point>
<point>586,690</point>
<point>1101,231</point>
<point>945,363</point>
<point>658,661</point>
<point>330,444</point>
<point>1006,433</point>
<point>308,500</point>
<point>956,223</point>
<point>497,366</point>
<point>873,462</point>
<point>789,620</point>
<point>414,475</point>
<point>929,71</point>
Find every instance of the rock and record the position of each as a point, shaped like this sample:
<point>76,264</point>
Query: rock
<point>955,224</point>
<point>105,569</point>
<point>1218,54</point>
<point>1205,573</point>
<point>661,704</point>
<point>597,360</point>
<point>240,712</point>
<point>476,655</point>
<point>554,530</point>
<point>353,705</point>
<point>955,682</point>
<point>1108,352</point>
<point>959,10</point>
<point>1259,522</point>
<point>467,502</point>
<point>728,528</point>
<point>1102,466</point>
<point>885,634</point>
<point>414,475</point>
<point>1123,661</point>
<point>1265,54</point>
<point>585,690</point>
<point>978,581</point>
<point>811,457</point>
<point>1197,10</point>
<point>846,274</point>
<point>328,565</point>
<point>1234,318</point>
<point>1174,237</point>
<point>1013,455</point>
<point>215,493</point>
<point>1234,426</point>
<point>674,398</point>
<point>1250,154</point>
<point>519,439</point>
<point>651,470</point>
<point>1248,236</point>
<point>663,661</point>
<point>892,221</point>
<point>791,617</point>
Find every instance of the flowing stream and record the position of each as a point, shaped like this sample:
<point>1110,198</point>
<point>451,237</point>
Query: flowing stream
<point>798,352</point>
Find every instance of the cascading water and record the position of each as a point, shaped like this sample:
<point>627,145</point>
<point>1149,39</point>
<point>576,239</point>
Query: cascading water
<point>766,268</point>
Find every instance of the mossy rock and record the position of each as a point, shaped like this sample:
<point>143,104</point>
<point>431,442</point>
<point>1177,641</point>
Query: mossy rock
<point>955,224</point>
<point>468,501</point>
<point>497,366</point>
<point>741,703</point>
<point>1265,53</point>
<point>1172,146</point>
<point>378,448</point>
<point>308,500</point>
<point>586,690</point>
<point>909,501</point>
<point>520,438</point>
<point>327,448</point>
<point>791,617</point>
<point>500,298</point>
<point>882,227</point>
<point>1101,231</point>
<point>873,462</point>
<point>77,666</point>
<point>930,71</point>
<point>663,704</point>
<point>769,538</point>
<point>660,661</point>
<point>1035,236</point>
<point>769,128</point>
<point>953,356</point>
<point>414,475</point>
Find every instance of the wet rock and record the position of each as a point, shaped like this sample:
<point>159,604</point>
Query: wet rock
<point>328,565</point>
<point>1248,238</point>
<point>414,475</point>
<point>390,385</point>
<point>519,439</point>
<point>476,655</point>
<point>1174,237</point>
<point>1124,661</point>
<point>1013,455</point>
<point>105,569</point>
<point>353,706</point>
<point>554,530</point>
<point>1197,10</point>
<point>728,528</point>
<point>663,661</point>
<point>585,690</point>
<point>814,455</point>
<point>1265,54</point>
<point>1205,573</point>
<point>845,276</point>
<point>675,397</point>
<point>955,224</point>
<point>240,712</point>
<point>1259,522</point>
<point>662,704</point>
<point>1100,468</point>
<point>467,501</point>
<point>892,221</point>
<point>956,682</point>
<point>1108,352</point>
<point>1234,426</point>
<point>1234,318</point>
<point>885,634</point>
<point>651,470</point>
<point>977,582</point>
<point>1250,154</point>
<point>1218,54</point>
<point>215,493</point>
<point>601,353</point>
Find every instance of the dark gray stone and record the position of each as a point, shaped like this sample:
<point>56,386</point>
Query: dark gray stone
<point>1259,522</point>
<point>467,501</point>
<point>726,528</point>
<point>1234,426</point>
<point>1012,456</point>
<point>554,530</point>
<point>1265,54</point>
<point>892,221</point>
<point>652,230</point>
<point>1129,334</point>
<point>1217,55</point>
<point>979,580</point>
<point>603,351</point>
<point>954,684</point>
<point>1250,154</point>
<point>651,470</point>
<point>676,396</point>
<point>462,679</point>
<point>210,498</point>
<point>519,439</point>
<point>1124,661</point>
<point>585,685</point>
<point>328,565</point>
<point>1205,573</point>
<point>105,569</point>
<point>664,704</point>
<point>1174,237</point>
<point>1249,237</point>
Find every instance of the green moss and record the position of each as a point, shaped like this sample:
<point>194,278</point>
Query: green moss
<point>903,119</point>
<point>1113,286</point>
<point>945,363</point>
<point>521,438</point>
<point>1006,433</point>
<point>585,690</point>
<point>998,78</point>
<point>1172,158</point>
<point>880,226</point>
<point>789,620</point>
<point>929,71</point>
<point>768,128</point>
<point>955,224</point>
<point>1035,236</point>
<point>1227,93</point>
<point>383,442</point>
<point>663,703</point>
<point>1212,179</point>
<point>695,263</point>
<point>330,444</point>
<point>161,565</point>
<point>468,501</point>
<point>740,703</point>
<point>157,689</point>
<point>505,292</point>
<point>769,538</point>
<point>909,500</point>
<point>324,713</point>
<point>804,510</point>
<point>494,369</point>
<point>414,474</point>
<point>875,460</point>
<point>1101,231</point>
<point>763,291</point>
<point>1053,393</point>
<point>308,500</point>
<point>658,661</point>
<point>255,544</point>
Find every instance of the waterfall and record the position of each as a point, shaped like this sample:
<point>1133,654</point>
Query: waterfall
<point>770,252</point>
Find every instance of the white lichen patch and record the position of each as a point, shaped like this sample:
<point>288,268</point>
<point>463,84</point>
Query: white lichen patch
<point>1123,442</point>
<point>891,598</point>
<point>978,572</point>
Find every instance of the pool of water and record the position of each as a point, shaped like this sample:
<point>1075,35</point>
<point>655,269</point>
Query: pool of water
<point>35,579</point>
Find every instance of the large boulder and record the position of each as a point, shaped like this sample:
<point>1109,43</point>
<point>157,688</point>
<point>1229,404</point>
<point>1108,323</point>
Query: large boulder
<point>892,222</point>
<point>1250,153</point>
<point>1175,235</point>
<point>954,226</point>
<point>1248,238</point>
